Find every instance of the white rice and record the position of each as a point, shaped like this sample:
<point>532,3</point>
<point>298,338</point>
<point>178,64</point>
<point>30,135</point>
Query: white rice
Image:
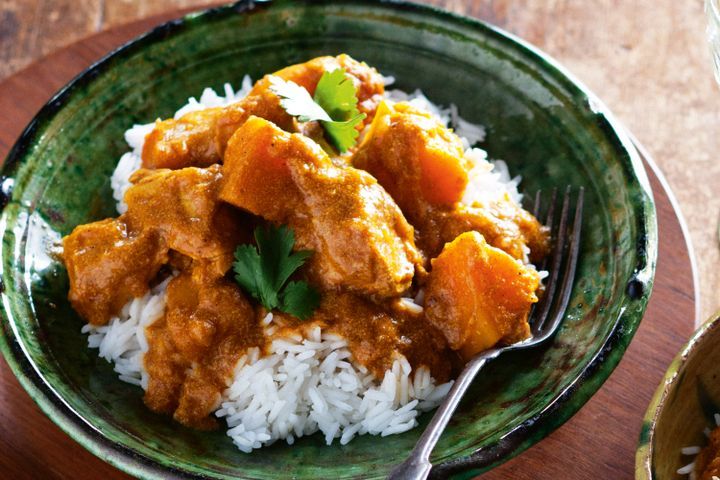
<point>304,385</point>
<point>311,384</point>
<point>693,451</point>
<point>122,341</point>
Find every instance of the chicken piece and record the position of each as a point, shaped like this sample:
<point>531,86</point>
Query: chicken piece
<point>360,238</point>
<point>169,212</point>
<point>503,223</point>
<point>193,349</point>
<point>478,295</point>
<point>199,138</point>
<point>108,266</point>
<point>182,205</point>
<point>422,164</point>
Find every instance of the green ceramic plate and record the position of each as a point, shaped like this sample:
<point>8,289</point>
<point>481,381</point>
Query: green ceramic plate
<point>683,406</point>
<point>549,129</point>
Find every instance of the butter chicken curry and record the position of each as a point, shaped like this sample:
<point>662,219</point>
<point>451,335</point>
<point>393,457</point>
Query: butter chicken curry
<point>385,221</point>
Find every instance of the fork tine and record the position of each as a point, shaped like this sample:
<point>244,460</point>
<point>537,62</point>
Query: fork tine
<point>563,297</point>
<point>559,238</point>
<point>549,219</point>
<point>551,209</point>
<point>536,208</point>
<point>548,223</point>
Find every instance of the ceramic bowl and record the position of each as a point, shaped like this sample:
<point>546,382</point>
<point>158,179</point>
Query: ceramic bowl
<point>683,406</point>
<point>548,128</point>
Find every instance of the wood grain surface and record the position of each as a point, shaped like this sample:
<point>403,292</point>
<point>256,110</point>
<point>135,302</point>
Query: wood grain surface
<point>643,81</point>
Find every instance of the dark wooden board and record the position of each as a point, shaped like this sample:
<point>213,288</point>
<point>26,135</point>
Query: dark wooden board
<point>598,442</point>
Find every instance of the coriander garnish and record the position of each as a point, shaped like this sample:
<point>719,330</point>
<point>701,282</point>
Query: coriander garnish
<point>334,105</point>
<point>263,271</point>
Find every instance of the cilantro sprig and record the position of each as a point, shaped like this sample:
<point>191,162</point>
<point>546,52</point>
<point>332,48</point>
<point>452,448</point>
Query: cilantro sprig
<point>263,271</point>
<point>334,105</point>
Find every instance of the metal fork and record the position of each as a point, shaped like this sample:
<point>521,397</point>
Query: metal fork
<point>544,321</point>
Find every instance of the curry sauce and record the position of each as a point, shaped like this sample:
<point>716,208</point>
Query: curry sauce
<point>707,463</point>
<point>386,223</point>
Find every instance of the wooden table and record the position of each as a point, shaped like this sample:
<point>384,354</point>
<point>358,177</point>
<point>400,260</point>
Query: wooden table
<point>656,83</point>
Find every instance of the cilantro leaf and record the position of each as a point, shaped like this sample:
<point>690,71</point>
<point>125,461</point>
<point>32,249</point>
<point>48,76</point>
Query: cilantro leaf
<point>263,271</point>
<point>336,94</point>
<point>343,135</point>
<point>296,100</point>
<point>300,300</point>
<point>247,269</point>
<point>278,261</point>
<point>334,105</point>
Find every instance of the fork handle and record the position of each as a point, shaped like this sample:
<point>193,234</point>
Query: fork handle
<point>417,466</point>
